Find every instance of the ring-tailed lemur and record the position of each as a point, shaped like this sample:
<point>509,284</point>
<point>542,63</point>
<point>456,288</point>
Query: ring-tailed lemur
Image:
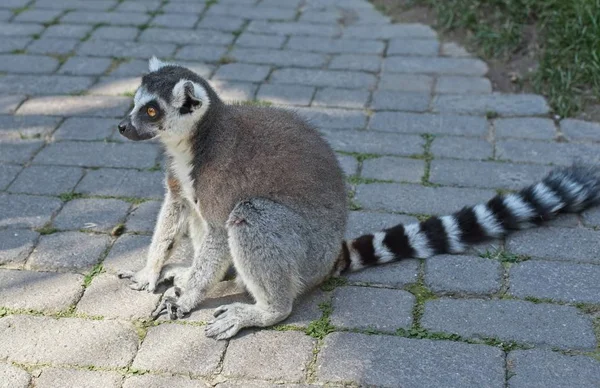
<point>257,187</point>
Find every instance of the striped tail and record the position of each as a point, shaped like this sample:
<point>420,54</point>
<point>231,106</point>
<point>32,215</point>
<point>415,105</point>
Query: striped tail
<point>570,189</point>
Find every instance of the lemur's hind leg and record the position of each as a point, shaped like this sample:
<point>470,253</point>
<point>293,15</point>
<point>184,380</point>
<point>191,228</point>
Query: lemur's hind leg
<point>266,243</point>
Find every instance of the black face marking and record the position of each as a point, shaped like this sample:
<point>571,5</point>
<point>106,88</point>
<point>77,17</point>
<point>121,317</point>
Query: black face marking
<point>148,108</point>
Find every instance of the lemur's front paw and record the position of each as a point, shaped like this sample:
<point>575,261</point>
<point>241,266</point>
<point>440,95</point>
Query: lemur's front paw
<point>173,304</point>
<point>140,280</point>
<point>227,322</point>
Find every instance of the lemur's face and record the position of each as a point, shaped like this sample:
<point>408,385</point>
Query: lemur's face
<point>168,104</point>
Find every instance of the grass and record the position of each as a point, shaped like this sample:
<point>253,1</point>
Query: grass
<point>321,327</point>
<point>569,49</point>
<point>503,256</point>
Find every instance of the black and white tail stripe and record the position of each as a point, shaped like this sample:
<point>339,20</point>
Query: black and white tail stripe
<point>570,189</point>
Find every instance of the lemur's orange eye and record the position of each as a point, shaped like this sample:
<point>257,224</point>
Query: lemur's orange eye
<point>151,112</point>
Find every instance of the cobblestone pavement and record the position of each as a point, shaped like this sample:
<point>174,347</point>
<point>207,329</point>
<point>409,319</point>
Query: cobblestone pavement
<point>418,130</point>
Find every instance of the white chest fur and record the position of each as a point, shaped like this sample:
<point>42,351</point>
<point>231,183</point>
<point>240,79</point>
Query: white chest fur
<point>181,167</point>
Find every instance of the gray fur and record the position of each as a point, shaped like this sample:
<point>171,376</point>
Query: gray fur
<point>260,189</point>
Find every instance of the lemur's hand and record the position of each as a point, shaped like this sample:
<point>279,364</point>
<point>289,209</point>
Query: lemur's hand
<point>143,279</point>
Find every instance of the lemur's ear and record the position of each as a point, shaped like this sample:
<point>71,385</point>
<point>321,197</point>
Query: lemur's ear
<point>187,96</point>
<point>154,64</point>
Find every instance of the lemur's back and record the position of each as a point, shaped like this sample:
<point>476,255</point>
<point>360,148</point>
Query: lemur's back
<point>270,153</point>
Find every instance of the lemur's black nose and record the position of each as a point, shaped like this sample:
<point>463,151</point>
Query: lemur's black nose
<point>123,126</point>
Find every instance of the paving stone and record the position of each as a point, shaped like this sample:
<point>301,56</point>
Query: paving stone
<point>463,274</point>
<point>525,127</point>
<point>96,5</point>
<point>334,118</point>
<point>18,151</point>
<point>47,180</point>
<point>404,30</point>
<point>68,251</point>
<point>117,18</point>
<point>95,215</point>
<point>37,15</point>
<point>591,217</point>
<point>184,7</point>
<point>87,154</point>
<point>460,84</point>
<point>13,377</point>
<point>122,183</point>
<point>97,106</point>
<point>343,98</point>
<point>546,152</point>
<point>197,355</point>
<point>335,46</point>
<point>391,275</point>
<point>416,199</point>
<point>22,63</point>
<point>360,222</point>
<point>372,308</point>
<point>154,381</point>
<point>175,20</point>
<point>116,86</point>
<point>511,320</point>
<point>429,123</point>
<point>258,384</point>
<point>26,211</point>
<point>218,23</point>
<point>461,148</point>
<point>111,297</point>
<point>394,169</point>
<point>15,43</point>
<point>41,291</point>
<point>43,84</point>
<point>85,66</point>
<point>452,49</point>
<point>406,83</point>
<point>348,163</point>
<point>538,368</point>
<point>20,29</point>
<point>129,252</point>
<point>557,243</point>
<point>84,128</point>
<point>143,217</point>
<point>5,15</point>
<point>15,247</point>
<point>564,282</point>
<point>485,174</point>
<point>394,100</point>
<point>183,37</point>
<point>374,142</point>
<point>118,33</point>
<point>242,72</point>
<point>421,47</point>
<point>54,377</point>
<point>580,130</point>
<point>503,104</point>
<point>564,221</point>
<point>306,308</point>
<point>260,41</point>
<point>286,94</point>
<point>7,174</point>
<point>276,3</point>
<point>282,355</point>
<point>370,63</point>
<point>278,57</point>
<point>202,53</point>
<point>143,6</point>
<point>125,49</point>
<point>335,78</point>
<point>13,3</point>
<point>439,65</point>
<point>31,339</point>
<point>133,67</point>
<point>52,46</point>
<point>374,360</point>
<point>254,13</point>
<point>19,127</point>
<point>234,91</point>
